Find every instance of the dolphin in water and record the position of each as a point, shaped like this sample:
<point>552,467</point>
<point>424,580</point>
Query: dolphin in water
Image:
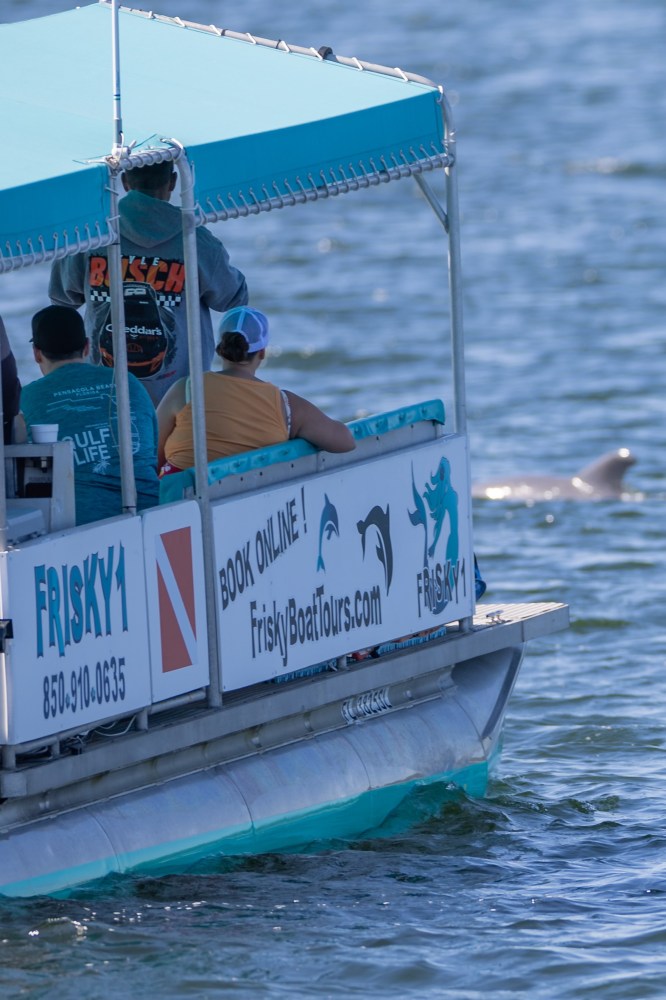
<point>328,526</point>
<point>602,480</point>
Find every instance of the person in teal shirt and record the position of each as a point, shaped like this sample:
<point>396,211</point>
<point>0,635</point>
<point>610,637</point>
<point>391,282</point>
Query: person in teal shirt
<point>81,399</point>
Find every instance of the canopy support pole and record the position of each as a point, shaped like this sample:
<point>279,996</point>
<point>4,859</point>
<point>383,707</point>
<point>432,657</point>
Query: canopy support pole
<point>455,272</point>
<point>450,220</point>
<point>451,224</point>
<point>432,200</point>
<point>455,290</point>
<point>115,61</point>
<point>198,417</point>
<point>116,293</point>
<point>120,369</point>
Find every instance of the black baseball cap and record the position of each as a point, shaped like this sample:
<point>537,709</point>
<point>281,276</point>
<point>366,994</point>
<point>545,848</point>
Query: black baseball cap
<point>58,330</point>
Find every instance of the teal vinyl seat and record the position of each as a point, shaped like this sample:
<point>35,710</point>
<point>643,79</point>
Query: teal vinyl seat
<point>177,485</point>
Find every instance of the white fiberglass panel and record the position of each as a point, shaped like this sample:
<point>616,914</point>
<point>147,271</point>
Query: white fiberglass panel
<point>176,599</point>
<point>343,560</point>
<point>79,651</point>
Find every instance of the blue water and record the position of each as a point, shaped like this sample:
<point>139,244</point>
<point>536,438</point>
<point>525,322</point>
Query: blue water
<point>554,886</point>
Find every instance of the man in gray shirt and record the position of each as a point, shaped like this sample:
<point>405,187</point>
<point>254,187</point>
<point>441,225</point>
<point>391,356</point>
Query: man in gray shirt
<point>154,284</point>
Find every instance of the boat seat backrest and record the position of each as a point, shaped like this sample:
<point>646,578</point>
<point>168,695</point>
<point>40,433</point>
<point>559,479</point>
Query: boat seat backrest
<point>177,485</point>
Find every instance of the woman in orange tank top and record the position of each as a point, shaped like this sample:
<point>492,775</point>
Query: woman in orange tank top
<point>242,411</point>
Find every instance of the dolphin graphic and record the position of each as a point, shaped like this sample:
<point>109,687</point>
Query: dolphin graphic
<point>327,525</point>
<point>601,480</point>
<point>380,520</point>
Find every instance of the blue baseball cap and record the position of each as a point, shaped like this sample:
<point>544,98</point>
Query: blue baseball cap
<point>252,323</point>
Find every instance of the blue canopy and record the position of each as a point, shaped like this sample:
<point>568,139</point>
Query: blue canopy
<point>258,120</point>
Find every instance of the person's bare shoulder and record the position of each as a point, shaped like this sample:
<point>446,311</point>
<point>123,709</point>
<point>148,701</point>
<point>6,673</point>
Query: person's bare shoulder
<point>311,423</point>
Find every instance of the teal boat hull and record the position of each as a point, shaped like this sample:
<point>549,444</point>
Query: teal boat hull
<point>333,786</point>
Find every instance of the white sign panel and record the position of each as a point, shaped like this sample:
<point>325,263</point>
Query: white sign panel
<point>176,599</point>
<point>79,654</point>
<point>324,566</point>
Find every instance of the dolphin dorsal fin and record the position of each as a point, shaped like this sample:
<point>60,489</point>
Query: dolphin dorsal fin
<point>607,472</point>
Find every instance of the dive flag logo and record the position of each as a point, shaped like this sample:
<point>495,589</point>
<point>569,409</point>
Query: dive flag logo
<point>176,598</point>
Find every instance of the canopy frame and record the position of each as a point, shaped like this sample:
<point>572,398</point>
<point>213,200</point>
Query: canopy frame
<point>310,187</point>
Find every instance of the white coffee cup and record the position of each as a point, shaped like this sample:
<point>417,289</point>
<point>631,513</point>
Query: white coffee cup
<point>44,433</point>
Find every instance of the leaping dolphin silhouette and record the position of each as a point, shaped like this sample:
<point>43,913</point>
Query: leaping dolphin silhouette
<point>328,525</point>
<point>602,480</point>
<point>380,519</point>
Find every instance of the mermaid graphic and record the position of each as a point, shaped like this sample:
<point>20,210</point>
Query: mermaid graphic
<point>437,503</point>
